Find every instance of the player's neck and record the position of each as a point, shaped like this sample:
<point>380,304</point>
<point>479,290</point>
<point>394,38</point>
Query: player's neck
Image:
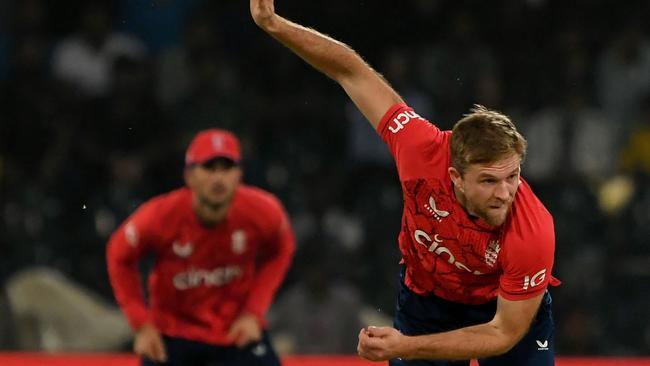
<point>460,197</point>
<point>209,215</point>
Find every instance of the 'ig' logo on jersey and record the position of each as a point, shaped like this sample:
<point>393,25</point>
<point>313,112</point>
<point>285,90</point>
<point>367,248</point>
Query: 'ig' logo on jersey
<point>536,280</point>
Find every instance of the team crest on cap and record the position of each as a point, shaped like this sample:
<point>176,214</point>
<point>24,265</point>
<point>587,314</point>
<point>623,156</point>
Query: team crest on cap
<point>238,241</point>
<point>131,234</point>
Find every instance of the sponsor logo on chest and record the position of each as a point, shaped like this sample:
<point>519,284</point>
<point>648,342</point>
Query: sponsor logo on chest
<point>434,245</point>
<point>197,277</point>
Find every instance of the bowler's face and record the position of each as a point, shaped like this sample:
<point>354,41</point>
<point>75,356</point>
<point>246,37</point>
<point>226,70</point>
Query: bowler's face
<point>489,189</point>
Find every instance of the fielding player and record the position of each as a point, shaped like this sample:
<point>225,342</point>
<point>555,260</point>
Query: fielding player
<point>221,250</point>
<point>477,245</point>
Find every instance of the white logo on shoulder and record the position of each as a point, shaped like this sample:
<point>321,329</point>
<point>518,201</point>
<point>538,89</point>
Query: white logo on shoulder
<point>402,120</point>
<point>182,250</point>
<point>131,234</point>
<point>238,241</point>
<point>536,280</point>
<point>431,207</point>
<point>542,346</point>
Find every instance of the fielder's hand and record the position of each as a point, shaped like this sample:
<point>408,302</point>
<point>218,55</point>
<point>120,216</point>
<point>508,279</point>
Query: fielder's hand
<point>148,343</point>
<point>244,330</point>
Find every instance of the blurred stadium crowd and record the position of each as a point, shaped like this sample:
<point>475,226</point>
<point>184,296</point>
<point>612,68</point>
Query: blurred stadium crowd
<point>98,101</point>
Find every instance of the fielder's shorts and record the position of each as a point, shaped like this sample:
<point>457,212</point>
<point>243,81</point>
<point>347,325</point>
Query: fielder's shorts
<point>417,315</point>
<point>183,352</point>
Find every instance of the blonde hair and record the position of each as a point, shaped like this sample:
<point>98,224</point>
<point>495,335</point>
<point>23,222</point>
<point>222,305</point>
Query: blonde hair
<point>484,136</point>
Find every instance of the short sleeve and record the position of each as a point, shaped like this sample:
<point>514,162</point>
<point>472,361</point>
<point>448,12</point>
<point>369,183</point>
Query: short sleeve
<point>415,143</point>
<point>137,233</point>
<point>125,248</point>
<point>529,254</point>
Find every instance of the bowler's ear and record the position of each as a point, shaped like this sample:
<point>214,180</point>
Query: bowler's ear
<point>455,176</point>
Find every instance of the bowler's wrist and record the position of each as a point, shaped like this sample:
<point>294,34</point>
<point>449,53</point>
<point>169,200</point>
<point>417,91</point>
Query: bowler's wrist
<point>266,23</point>
<point>408,348</point>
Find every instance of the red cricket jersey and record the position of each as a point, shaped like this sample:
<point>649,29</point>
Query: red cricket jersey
<point>448,253</point>
<point>203,277</point>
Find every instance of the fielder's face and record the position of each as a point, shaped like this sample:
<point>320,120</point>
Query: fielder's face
<point>488,190</point>
<point>214,182</point>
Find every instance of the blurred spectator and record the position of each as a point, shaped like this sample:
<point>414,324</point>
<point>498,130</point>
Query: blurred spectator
<point>157,23</point>
<point>628,265</point>
<point>176,69</point>
<point>85,58</point>
<point>129,120</point>
<point>321,312</point>
<point>28,101</point>
<point>571,139</point>
<point>623,77</point>
<point>364,145</point>
<point>8,324</point>
<point>453,69</point>
<point>636,152</point>
<point>215,96</point>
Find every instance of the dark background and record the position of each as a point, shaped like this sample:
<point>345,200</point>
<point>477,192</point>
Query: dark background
<point>99,99</point>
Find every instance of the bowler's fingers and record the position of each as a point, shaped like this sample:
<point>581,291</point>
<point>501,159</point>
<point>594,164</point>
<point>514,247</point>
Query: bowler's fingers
<point>379,331</point>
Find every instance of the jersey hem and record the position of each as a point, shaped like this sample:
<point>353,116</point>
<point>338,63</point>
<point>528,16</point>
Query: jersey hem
<point>518,297</point>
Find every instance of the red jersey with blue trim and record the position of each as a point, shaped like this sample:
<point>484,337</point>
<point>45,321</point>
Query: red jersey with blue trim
<point>448,253</point>
<point>203,277</point>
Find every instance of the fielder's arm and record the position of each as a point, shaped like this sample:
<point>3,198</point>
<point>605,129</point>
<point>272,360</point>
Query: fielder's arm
<point>368,90</point>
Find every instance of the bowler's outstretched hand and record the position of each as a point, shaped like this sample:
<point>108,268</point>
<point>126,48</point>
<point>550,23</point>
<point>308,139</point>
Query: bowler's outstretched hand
<point>263,12</point>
